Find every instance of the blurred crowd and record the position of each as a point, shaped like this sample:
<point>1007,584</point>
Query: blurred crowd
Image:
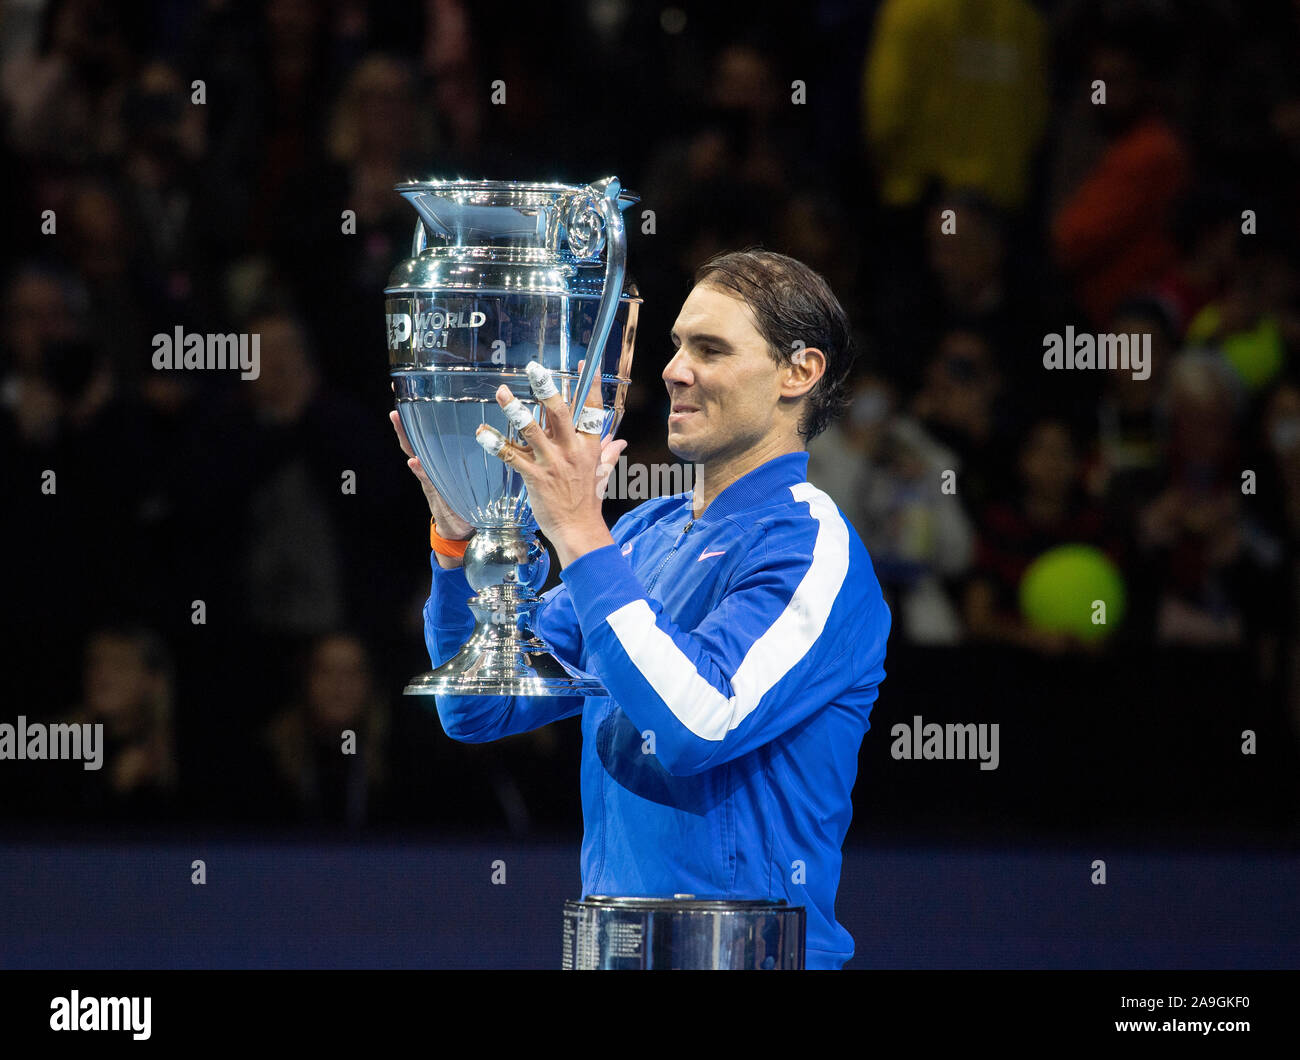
<point>970,176</point>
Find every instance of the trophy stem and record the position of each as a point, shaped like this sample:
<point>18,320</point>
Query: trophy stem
<point>503,656</point>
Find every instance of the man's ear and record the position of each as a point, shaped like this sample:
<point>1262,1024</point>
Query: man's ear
<point>807,365</point>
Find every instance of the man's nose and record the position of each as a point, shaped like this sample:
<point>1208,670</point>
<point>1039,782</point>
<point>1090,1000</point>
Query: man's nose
<point>675,370</point>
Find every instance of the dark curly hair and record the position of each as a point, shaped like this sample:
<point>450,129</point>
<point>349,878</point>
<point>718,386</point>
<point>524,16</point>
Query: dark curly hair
<point>793,308</point>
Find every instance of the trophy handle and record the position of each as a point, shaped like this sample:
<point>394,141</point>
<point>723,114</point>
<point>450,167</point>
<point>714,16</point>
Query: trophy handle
<point>420,240</point>
<point>605,193</point>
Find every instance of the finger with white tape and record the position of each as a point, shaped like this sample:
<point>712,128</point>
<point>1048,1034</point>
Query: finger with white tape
<point>590,420</point>
<point>543,384</point>
<point>518,415</point>
<point>490,439</point>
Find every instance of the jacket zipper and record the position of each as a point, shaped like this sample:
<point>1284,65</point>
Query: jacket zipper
<point>653,578</point>
<point>680,538</point>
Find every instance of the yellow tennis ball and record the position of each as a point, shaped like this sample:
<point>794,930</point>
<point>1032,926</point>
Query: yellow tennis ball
<point>1060,592</point>
<point>1257,355</point>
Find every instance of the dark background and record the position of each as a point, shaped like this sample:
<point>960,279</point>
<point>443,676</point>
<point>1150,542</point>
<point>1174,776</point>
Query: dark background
<point>226,216</point>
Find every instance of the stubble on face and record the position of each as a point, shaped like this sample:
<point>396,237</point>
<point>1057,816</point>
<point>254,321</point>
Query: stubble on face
<point>722,368</point>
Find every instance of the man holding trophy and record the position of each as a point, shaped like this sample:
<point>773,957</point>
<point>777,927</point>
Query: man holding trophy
<point>723,647</point>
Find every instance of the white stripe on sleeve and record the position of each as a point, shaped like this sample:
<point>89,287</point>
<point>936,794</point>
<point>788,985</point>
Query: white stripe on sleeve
<point>693,700</point>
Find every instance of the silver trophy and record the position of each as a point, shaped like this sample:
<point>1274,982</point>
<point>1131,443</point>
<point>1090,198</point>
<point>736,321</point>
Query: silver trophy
<point>502,273</point>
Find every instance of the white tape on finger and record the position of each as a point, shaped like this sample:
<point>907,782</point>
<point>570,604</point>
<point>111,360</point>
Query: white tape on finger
<point>518,415</point>
<point>491,439</point>
<point>539,377</point>
<point>590,421</point>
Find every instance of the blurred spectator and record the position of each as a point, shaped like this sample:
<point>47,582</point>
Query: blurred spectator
<point>293,564</point>
<point>955,94</point>
<point>1279,499</point>
<point>1112,233</point>
<point>53,387</point>
<point>1129,425</point>
<point>378,137</point>
<point>1211,557</point>
<point>329,748</point>
<point>167,136</point>
<point>810,228</point>
<point>100,244</point>
<point>163,196</point>
<point>1206,229</point>
<point>301,483</point>
<point>960,406</point>
<point>1246,111</point>
<point>724,181</point>
<point>48,375</point>
<point>448,58</point>
<point>1050,510</point>
<point>967,259</point>
<point>145,521</point>
<point>297,68</point>
<point>972,284</point>
<point>64,103</point>
<point>129,690</point>
<point>1254,320</point>
<point>888,475</point>
<point>737,136</point>
<point>1281,430</point>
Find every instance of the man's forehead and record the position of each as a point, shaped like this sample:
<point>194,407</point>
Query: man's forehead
<point>715,311</point>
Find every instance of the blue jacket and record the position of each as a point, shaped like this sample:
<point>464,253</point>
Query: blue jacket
<point>743,651</point>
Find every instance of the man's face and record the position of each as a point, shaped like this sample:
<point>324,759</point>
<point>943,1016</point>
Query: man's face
<point>724,387</point>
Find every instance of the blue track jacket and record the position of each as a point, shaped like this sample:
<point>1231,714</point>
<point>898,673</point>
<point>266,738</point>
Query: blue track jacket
<point>743,651</point>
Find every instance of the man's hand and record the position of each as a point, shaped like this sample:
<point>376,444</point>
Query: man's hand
<point>450,525</point>
<point>565,470</point>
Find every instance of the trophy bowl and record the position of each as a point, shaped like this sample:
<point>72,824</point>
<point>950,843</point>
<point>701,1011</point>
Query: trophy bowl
<point>502,273</point>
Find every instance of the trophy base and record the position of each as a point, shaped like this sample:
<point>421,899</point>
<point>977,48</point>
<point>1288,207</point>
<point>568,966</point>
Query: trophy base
<point>504,656</point>
<point>683,932</point>
<point>533,673</point>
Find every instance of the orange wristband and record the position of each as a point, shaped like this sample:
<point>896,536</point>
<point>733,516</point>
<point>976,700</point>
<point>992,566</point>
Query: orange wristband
<point>444,547</point>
